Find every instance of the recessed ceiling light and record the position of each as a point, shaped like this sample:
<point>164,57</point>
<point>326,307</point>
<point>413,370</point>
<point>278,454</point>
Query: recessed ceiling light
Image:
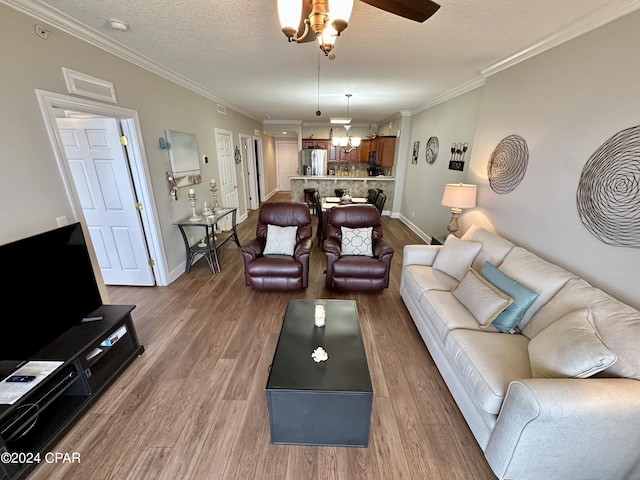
<point>118,25</point>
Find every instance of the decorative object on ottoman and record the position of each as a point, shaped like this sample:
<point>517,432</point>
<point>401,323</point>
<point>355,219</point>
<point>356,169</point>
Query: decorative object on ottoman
<point>320,355</point>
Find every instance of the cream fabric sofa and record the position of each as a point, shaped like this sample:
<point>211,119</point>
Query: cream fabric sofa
<point>546,424</point>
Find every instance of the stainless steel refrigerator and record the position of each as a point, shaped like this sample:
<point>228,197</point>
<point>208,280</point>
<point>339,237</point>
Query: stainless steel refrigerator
<point>313,162</point>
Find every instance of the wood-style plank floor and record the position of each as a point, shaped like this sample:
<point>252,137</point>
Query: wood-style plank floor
<point>193,406</point>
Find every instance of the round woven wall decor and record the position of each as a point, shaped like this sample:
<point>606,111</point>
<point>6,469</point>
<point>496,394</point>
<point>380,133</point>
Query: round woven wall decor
<point>609,190</point>
<point>508,164</point>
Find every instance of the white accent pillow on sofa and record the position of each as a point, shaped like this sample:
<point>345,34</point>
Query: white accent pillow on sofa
<point>482,299</point>
<point>569,348</point>
<point>280,240</point>
<point>456,256</point>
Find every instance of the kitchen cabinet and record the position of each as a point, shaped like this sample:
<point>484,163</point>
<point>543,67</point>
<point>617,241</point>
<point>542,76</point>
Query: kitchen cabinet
<point>316,143</point>
<point>352,157</point>
<point>365,149</point>
<point>385,148</point>
<point>322,143</point>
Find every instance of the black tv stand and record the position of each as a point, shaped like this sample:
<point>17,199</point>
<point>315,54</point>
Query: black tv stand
<point>94,355</point>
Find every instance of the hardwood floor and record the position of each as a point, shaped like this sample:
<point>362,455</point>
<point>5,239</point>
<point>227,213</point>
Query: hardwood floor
<point>193,405</point>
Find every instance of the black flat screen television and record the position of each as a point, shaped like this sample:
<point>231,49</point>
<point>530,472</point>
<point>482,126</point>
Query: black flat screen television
<point>49,286</point>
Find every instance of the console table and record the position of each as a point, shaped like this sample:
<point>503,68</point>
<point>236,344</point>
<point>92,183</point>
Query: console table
<point>93,355</point>
<point>209,246</point>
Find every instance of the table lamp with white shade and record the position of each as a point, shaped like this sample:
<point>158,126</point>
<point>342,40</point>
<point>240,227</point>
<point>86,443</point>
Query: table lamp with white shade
<point>458,196</point>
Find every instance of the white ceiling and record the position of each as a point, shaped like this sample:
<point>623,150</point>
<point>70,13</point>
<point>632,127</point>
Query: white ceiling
<point>234,52</point>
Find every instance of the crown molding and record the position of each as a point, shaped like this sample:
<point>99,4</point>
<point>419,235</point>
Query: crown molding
<point>612,11</point>
<point>451,94</point>
<point>59,20</point>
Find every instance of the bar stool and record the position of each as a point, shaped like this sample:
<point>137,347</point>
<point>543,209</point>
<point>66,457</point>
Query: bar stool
<point>309,194</point>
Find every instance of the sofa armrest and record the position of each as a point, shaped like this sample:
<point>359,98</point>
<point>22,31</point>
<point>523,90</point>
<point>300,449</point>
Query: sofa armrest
<point>420,254</point>
<point>568,428</point>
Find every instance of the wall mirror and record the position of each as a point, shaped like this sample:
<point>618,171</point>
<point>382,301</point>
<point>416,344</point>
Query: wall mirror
<point>183,154</point>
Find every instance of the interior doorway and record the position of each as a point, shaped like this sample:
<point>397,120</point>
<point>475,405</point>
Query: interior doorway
<point>249,171</point>
<point>257,142</point>
<point>287,163</point>
<point>101,176</point>
<point>53,105</point>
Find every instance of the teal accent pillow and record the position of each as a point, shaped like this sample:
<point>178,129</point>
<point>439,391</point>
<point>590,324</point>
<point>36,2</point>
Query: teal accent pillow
<point>523,298</point>
<point>357,241</point>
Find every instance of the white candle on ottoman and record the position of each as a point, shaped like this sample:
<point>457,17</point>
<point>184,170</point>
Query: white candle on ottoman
<point>320,315</point>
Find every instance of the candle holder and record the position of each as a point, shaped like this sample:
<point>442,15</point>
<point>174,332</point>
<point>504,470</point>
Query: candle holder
<point>194,215</point>
<point>214,193</point>
<point>206,210</point>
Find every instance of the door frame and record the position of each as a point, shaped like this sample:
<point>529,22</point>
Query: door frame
<point>249,167</point>
<point>259,159</point>
<point>51,102</point>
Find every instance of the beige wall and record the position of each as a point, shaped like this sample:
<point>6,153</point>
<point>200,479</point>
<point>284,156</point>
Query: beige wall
<point>452,122</point>
<point>565,103</point>
<point>34,196</point>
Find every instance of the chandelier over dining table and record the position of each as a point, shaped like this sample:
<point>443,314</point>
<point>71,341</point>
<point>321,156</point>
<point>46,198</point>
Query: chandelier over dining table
<point>347,143</point>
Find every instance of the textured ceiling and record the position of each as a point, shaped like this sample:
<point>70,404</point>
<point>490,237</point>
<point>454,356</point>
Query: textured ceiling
<point>234,50</point>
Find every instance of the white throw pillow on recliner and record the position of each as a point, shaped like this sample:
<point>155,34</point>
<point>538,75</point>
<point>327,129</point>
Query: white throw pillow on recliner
<point>280,240</point>
<point>456,256</point>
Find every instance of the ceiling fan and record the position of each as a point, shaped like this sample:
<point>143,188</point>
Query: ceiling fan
<point>418,11</point>
<point>306,20</point>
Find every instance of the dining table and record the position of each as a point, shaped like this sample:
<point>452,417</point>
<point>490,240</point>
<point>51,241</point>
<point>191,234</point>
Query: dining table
<point>330,202</point>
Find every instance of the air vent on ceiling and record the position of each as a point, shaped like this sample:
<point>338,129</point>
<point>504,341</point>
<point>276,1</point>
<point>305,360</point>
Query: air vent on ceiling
<point>88,86</point>
<point>222,109</point>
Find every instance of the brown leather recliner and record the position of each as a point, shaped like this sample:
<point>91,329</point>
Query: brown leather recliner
<point>356,272</point>
<point>279,272</point>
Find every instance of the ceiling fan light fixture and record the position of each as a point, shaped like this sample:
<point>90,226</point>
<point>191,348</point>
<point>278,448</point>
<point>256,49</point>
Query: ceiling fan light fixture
<point>340,12</point>
<point>325,24</point>
<point>289,12</point>
<point>327,39</point>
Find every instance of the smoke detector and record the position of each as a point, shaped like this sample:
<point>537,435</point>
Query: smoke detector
<point>118,25</point>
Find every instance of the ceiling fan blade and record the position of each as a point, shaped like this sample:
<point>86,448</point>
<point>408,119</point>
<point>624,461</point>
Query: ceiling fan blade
<point>418,10</point>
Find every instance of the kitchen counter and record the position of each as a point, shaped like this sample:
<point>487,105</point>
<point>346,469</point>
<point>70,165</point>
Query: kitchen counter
<point>357,186</point>
<point>340,177</point>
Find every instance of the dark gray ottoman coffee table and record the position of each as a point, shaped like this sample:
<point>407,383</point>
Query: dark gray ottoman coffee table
<point>326,403</point>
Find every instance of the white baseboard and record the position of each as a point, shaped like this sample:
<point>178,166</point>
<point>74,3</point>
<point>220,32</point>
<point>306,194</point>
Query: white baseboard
<point>415,229</point>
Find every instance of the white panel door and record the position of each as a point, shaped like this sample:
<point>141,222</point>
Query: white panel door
<point>100,173</point>
<point>227,170</point>
<point>287,160</point>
